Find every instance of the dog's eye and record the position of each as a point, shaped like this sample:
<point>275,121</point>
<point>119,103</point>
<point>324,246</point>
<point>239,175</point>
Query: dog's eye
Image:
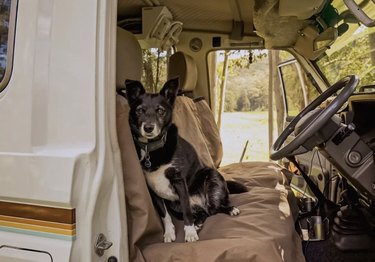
<point>140,111</point>
<point>160,111</point>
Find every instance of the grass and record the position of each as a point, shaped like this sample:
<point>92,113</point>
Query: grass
<point>237,128</point>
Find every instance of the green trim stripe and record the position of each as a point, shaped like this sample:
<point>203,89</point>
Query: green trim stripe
<point>37,233</point>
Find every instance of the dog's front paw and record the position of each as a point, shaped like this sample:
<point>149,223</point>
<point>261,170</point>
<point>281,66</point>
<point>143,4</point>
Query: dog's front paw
<point>169,236</point>
<point>198,227</point>
<point>191,234</point>
<point>234,212</point>
<point>169,232</point>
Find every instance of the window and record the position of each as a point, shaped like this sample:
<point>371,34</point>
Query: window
<point>352,53</point>
<point>7,27</point>
<point>241,80</point>
<point>355,56</point>
<point>155,68</point>
<point>299,91</point>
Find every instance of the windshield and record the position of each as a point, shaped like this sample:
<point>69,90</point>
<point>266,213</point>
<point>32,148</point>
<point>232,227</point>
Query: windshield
<point>352,53</point>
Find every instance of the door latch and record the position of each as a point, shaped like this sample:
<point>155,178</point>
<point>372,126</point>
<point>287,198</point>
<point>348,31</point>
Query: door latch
<point>102,244</point>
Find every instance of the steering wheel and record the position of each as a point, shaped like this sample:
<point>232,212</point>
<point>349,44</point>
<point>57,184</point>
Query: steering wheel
<point>278,151</point>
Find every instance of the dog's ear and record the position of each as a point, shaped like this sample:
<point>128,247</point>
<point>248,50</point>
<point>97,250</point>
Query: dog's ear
<point>133,90</point>
<point>170,90</point>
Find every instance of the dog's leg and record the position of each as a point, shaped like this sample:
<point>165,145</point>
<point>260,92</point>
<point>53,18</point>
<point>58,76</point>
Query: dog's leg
<point>200,215</point>
<point>179,184</point>
<point>217,192</point>
<point>230,210</point>
<point>169,230</point>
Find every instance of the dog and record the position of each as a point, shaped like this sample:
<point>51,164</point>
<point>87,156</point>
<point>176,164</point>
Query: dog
<point>179,183</point>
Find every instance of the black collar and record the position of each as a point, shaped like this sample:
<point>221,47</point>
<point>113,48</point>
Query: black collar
<point>153,145</point>
<point>149,146</point>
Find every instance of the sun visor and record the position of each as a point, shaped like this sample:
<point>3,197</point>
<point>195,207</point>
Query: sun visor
<point>302,9</point>
<point>311,44</point>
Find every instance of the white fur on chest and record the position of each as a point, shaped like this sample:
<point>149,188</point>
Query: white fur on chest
<point>157,181</point>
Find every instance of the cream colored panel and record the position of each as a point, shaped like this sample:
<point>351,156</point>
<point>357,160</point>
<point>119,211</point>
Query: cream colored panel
<point>302,9</point>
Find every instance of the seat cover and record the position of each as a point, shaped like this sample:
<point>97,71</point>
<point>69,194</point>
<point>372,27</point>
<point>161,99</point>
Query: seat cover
<point>264,231</point>
<point>210,131</point>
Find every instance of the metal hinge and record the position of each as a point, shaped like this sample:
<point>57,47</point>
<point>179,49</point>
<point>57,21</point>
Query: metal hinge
<point>102,244</point>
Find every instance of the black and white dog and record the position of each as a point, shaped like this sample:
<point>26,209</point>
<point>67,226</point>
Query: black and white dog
<point>179,182</point>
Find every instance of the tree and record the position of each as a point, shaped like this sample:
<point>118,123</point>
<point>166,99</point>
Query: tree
<point>243,102</point>
<point>355,57</point>
<point>230,104</point>
<point>148,70</point>
<point>155,64</point>
<point>242,94</point>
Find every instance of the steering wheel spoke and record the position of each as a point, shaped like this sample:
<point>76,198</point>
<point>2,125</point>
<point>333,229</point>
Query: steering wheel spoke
<point>300,150</point>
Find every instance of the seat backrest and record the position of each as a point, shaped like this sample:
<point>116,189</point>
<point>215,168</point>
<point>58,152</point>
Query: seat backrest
<point>210,131</point>
<point>143,222</point>
<point>128,58</point>
<point>185,116</point>
<point>184,66</point>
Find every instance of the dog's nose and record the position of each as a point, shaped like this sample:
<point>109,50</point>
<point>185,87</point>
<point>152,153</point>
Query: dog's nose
<point>148,128</point>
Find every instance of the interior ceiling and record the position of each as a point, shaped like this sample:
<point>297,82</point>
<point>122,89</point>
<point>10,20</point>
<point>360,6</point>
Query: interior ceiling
<point>203,15</point>
<point>260,17</point>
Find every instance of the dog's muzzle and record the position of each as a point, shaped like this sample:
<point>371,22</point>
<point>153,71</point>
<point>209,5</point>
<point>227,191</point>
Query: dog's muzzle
<point>150,130</point>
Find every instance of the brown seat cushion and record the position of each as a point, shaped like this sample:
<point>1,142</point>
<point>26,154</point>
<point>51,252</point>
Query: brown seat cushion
<point>210,131</point>
<point>144,225</point>
<point>264,231</point>
<point>185,116</point>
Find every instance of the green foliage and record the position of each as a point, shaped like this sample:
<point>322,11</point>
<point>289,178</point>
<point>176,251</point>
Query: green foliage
<point>247,80</point>
<point>243,102</point>
<point>230,101</point>
<point>357,57</point>
<point>4,28</point>
<point>293,90</point>
<point>244,58</point>
<point>155,65</point>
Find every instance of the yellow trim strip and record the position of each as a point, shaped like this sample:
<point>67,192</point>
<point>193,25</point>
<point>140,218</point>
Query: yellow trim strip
<point>66,232</point>
<point>37,222</point>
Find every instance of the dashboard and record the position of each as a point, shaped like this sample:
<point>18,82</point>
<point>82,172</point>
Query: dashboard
<point>362,108</point>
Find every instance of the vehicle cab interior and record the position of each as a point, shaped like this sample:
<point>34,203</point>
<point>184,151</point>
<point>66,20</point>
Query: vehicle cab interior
<point>312,199</point>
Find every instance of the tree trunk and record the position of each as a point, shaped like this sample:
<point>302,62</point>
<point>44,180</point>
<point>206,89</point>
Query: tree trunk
<point>223,87</point>
<point>147,65</point>
<point>271,69</point>
<point>372,47</point>
<point>279,98</point>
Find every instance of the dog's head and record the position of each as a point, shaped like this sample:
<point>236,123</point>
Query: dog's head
<point>150,114</point>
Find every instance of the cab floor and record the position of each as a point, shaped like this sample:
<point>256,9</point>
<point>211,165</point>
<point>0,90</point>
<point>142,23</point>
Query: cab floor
<point>326,251</point>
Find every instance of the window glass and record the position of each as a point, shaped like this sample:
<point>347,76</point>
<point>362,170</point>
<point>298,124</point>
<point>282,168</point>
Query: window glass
<point>6,34</point>
<point>357,57</point>
<point>352,53</point>
<point>299,91</point>
<point>155,68</point>
<point>240,79</point>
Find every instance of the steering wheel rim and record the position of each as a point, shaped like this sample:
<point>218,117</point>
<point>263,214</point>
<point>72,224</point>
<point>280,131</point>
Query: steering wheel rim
<point>348,84</point>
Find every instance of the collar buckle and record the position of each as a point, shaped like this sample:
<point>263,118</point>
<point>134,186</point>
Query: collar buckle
<point>151,146</point>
